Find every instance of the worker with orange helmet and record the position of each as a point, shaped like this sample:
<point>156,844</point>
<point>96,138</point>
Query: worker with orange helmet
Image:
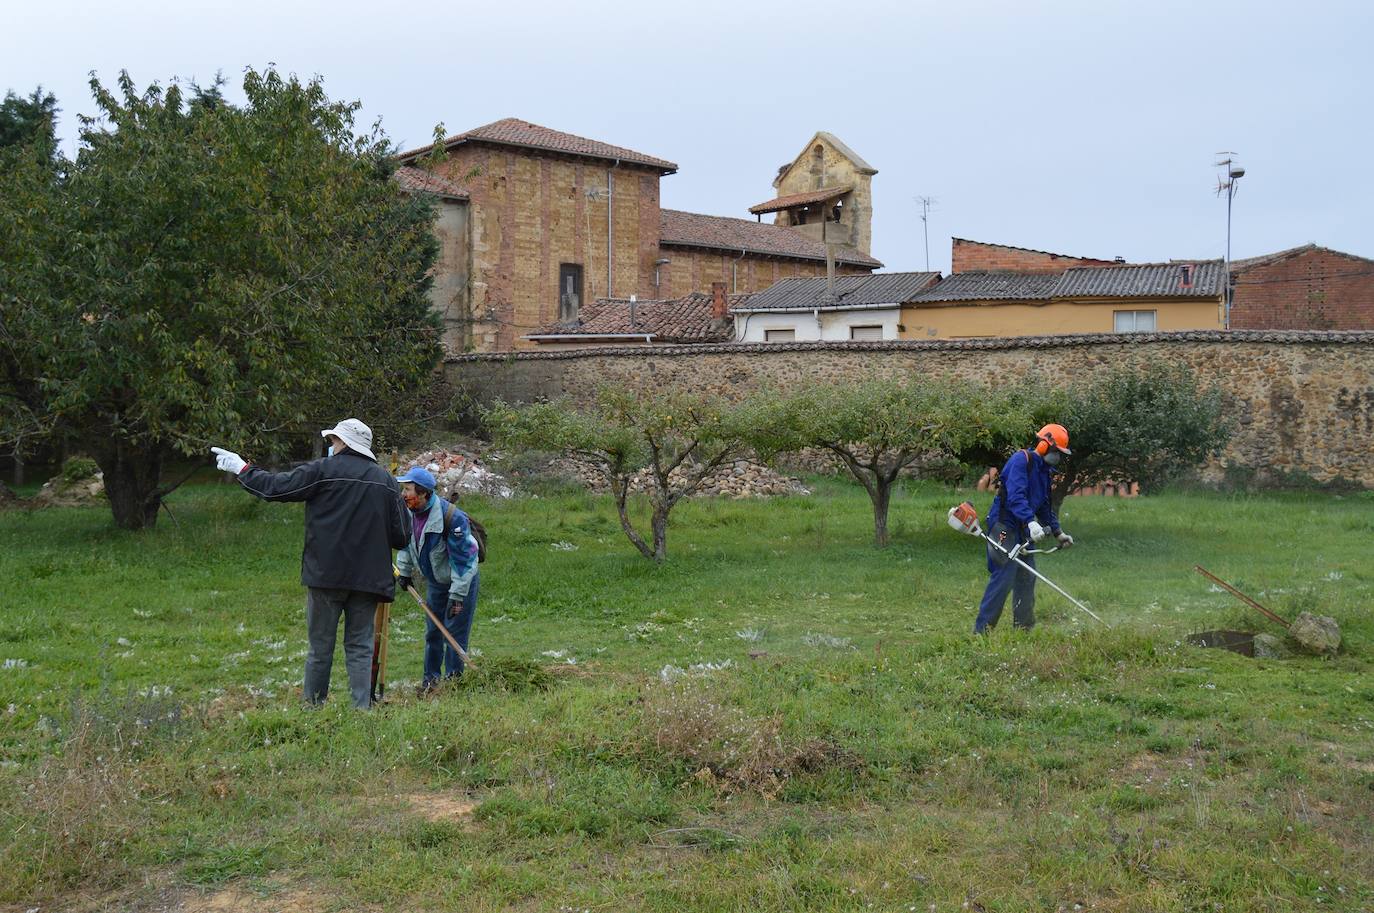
<point>1022,513</point>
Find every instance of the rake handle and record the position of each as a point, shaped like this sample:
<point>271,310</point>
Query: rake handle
<point>1241,596</point>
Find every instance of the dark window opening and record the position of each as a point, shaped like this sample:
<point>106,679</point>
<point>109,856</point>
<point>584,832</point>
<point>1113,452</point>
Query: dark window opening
<point>569,291</point>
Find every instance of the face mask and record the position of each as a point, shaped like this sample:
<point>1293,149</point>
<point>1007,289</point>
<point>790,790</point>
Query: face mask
<point>1053,457</point>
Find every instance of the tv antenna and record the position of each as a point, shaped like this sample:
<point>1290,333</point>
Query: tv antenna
<point>926,204</point>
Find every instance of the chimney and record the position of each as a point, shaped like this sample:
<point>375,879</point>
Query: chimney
<point>720,305</point>
<point>1186,275</point>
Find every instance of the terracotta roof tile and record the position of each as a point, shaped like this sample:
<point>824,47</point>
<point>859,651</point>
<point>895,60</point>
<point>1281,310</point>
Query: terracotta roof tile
<point>801,199</point>
<point>515,132</point>
<point>687,319</point>
<point>417,180</point>
<point>692,229</point>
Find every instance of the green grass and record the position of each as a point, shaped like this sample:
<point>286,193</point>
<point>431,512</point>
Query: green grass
<point>848,746</point>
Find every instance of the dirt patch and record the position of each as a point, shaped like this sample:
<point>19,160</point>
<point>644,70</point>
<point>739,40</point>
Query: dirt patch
<point>235,899</point>
<point>451,807</point>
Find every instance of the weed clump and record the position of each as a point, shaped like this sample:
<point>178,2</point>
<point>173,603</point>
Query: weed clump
<point>84,800</point>
<point>507,674</point>
<point>727,749</point>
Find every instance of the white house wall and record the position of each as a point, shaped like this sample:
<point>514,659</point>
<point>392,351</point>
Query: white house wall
<point>834,325</point>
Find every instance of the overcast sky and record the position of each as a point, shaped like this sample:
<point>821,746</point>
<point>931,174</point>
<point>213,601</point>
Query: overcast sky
<point>1087,128</point>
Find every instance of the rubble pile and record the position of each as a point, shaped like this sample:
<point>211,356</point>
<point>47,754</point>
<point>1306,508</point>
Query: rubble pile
<point>458,472</point>
<point>739,480</point>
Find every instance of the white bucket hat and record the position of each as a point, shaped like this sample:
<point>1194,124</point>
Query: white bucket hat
<point>353,433</point>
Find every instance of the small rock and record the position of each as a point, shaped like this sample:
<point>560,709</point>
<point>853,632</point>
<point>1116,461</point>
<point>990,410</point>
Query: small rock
<point>1267,646</point>
<point>1316,633</point>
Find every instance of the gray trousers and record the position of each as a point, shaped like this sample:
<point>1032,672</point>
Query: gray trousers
<point>322,610</point>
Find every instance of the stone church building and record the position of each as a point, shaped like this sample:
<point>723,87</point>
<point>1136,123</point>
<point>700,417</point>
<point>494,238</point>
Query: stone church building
<point>535,225</point>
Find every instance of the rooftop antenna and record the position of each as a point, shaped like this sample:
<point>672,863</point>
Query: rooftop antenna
<point>926,203</point>
<point>1226,184</point>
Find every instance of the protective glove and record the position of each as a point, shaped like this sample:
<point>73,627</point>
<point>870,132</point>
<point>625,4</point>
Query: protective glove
<point>1037,532</point>
<point>1064,539</point>
<point>228,461</point>
<point>403,582</point>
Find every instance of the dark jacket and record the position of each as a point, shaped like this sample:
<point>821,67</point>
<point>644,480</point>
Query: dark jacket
<point>1025,494</point>
<point>354,519</point>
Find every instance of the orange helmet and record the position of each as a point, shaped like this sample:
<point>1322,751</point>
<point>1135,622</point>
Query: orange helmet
<point>1056,436</point>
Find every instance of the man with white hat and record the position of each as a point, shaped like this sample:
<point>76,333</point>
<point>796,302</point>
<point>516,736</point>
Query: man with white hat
<point>354,519</point>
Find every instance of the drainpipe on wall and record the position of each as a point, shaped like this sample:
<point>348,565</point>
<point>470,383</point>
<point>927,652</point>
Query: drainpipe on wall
<point>610,216</point>
<point>734,273</point>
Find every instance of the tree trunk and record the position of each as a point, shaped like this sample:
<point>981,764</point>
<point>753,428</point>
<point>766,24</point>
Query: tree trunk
<point>660,527</point>
<point>131,483</point>
<point>882,497</point>
<point>621,489</point>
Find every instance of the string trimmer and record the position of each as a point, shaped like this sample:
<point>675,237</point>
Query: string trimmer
<point>964,519</point>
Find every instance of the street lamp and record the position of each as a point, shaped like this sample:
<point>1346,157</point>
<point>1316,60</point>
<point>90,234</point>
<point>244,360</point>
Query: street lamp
<point>1227,185</point>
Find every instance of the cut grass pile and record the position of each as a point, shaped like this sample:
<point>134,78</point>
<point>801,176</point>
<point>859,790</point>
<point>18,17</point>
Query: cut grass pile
<point>780,718</point>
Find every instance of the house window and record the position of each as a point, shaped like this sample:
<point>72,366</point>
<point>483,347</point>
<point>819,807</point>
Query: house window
<point>569,291</point>
<point>1133,321</point>
<point>866,334</point>
<point>779,335</point>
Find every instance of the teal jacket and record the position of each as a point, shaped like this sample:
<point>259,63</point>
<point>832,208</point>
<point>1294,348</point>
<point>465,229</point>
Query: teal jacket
<point>452,562</point>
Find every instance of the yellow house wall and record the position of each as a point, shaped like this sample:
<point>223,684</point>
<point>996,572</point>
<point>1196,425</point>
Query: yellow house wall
<point>1016,319</point>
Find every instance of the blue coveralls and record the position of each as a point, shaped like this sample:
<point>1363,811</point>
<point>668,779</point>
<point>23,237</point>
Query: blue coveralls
<point>1025,496</point>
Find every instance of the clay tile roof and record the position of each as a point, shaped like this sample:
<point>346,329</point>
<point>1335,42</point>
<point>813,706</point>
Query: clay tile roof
<point>1151,280</point>
<point>987,285</point>
<point>417,180</point>
<point>874,290</point>
<point>687,319</point>
<point>692,229</point>
<point>801,199</point>
<point>515,132</point>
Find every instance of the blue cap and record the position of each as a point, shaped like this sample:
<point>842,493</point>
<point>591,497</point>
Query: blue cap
<point>419,476</point>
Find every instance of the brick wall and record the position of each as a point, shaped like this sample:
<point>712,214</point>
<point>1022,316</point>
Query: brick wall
<point>530,213</point>
<point>976,255</point>
<point>1312,290</point>
<point>694,269</point>
<point>1302,402</point>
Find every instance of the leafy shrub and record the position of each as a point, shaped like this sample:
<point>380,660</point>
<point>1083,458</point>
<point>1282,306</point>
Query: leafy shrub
<point>78,469</point>
<point>1146,425</point>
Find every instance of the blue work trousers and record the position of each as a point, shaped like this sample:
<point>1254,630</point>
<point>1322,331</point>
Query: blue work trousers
<point>1006,576</point>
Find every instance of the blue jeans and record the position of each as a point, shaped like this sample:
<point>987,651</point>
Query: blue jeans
<point>1006,576</point>
<point>437,649</point>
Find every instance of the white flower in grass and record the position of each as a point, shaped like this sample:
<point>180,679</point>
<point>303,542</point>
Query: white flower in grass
<point>826,640</point>
<point>750,635</point>
<point>563,547</point>
<point>124,642</point>
<point>15,664</point>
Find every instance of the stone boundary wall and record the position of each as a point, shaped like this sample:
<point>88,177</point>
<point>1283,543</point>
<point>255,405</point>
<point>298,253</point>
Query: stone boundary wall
<point>1303,402</point>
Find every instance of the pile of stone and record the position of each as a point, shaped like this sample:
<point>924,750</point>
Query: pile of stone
<point>739,480</point>
<point>79,484</point>
<point>458,472</point>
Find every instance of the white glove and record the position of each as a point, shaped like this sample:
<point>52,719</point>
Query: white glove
<point>228,461</point>
<point>1065,540</point>
<point>1037,532</point>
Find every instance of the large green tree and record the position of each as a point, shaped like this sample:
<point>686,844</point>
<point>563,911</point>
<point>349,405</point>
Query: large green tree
<point>204,272</point>
<point>31,123</point>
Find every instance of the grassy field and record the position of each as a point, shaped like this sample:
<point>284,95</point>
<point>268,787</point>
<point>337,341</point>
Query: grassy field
<point>780,718</point>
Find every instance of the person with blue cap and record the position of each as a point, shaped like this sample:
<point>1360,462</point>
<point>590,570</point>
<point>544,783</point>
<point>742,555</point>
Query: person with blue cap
<point>444,551</point>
